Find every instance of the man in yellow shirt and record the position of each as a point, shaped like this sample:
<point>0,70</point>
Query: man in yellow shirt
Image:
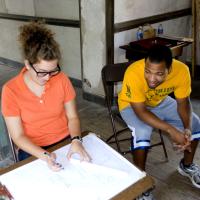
<point>144,104</point>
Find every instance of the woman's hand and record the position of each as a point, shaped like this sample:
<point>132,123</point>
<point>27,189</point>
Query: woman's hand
<point>51,162</point>
<point>77,147</point>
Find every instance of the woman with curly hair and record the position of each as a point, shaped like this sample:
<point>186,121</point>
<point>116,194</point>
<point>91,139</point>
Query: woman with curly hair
<point>39,103</point>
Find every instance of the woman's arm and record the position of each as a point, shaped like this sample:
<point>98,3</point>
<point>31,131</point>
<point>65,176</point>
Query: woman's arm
<point>75,130</point>
<point>15,129</point>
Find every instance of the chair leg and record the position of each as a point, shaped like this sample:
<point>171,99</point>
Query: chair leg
<point>163,144</point>
<point>13,149</point>
<point>114,134</point>
<point>14,153</point>
<point>117,143</point>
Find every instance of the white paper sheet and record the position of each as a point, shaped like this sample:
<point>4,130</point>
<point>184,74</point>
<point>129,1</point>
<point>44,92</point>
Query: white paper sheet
<point>107,175</point>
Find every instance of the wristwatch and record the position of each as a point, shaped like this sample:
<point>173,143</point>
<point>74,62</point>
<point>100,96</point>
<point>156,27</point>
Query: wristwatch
<point>77,138</point>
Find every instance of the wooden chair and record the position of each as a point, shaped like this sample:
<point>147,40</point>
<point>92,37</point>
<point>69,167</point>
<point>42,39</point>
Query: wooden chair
<point>111,75</point>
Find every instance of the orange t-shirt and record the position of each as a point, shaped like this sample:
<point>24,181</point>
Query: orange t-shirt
<point>43,118</point>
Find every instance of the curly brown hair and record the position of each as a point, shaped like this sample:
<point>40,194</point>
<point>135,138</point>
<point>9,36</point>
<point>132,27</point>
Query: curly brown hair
<point>37,42</point>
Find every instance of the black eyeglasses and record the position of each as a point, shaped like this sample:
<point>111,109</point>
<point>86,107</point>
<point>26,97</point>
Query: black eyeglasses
<point>51,73</point>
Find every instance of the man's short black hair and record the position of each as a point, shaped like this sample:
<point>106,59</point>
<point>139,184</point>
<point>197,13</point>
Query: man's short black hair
<point>159,53</point>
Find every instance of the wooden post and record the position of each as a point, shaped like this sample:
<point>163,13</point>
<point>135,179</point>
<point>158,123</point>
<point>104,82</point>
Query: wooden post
<point>109,31</point>
<point>194,37</point>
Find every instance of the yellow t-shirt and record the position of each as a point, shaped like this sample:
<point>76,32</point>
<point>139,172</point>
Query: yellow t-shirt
<point>135,88</point>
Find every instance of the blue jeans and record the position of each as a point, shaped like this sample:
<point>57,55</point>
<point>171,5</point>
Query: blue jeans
<point>166,111</point>
<point>22,155</point>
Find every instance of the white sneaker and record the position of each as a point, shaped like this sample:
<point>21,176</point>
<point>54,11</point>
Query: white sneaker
<point>192,172</point>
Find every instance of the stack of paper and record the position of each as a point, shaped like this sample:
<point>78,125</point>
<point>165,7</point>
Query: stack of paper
<point>107,175</point>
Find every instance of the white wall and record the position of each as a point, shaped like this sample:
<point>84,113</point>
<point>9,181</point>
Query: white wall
<point>2,6</point>
<point>20,7</point>
<point>126,10</point>
<point>177,27</point>
<point>93,44</point>
<point>9,47</point>
<point>66,9</point>
<point>68,38</point>
<point>93,32</point>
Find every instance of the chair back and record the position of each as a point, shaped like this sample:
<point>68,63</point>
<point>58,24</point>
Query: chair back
<point>112,74</point>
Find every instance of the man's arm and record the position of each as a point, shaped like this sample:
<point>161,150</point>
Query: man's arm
<point>184,111</point>
<point>148,117</point>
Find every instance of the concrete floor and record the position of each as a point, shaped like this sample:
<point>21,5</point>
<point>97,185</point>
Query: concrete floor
<point>169,184</point>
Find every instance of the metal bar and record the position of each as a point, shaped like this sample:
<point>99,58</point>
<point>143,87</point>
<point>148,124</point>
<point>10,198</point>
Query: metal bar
<point>110,32</point>
<point>194,29</point>
<point>50,21</point>
<point>123,26</point>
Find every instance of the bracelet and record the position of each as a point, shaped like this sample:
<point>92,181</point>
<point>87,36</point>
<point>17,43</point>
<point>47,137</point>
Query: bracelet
<point>46,154</point>
<point>77,138</point>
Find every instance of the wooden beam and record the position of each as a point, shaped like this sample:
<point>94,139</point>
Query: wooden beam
<point>110,31</point>
<point>123,26</point>
<point>51,21</point>
<point>194,37</point>
<point>81,43</point>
